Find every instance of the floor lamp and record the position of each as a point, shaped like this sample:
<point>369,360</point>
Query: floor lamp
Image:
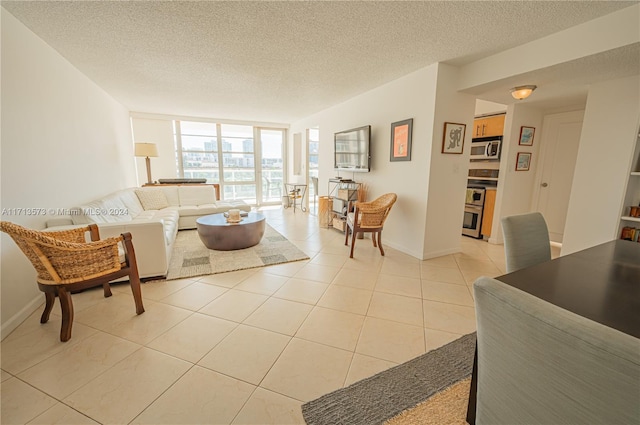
<point>147,150</point>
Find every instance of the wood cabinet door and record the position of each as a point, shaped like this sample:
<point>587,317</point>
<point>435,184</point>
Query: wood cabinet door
<point>495,126</point>
<point>487,212</point>
<point>479,126</point>
<point>487,127</point>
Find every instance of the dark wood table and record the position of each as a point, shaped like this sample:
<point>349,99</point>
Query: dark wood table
<point>601,283</point>
<point>217,233</point>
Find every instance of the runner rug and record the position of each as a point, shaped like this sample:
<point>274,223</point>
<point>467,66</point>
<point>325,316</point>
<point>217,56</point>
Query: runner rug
<point>430,389</point>
<point>191,258</point>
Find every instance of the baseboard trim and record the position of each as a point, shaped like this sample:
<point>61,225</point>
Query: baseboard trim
<point>436,254</point>
<point>400,248</point>
<point>15,321</point>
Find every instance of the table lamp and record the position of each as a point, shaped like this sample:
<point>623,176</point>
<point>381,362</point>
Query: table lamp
<point>147,150</point>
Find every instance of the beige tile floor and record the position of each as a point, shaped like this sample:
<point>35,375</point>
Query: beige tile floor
<point>246,347</point>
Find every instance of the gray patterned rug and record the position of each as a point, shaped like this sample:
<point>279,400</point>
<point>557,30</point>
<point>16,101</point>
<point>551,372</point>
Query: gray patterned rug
<point>191,258</point>
<point>384,396</point>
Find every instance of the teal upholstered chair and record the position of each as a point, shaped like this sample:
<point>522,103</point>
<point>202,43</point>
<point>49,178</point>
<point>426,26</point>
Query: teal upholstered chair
<point>526,240</point>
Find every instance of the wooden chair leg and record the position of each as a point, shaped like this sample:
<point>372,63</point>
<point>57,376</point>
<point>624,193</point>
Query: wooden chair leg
<point>107,289</point>
<point>353,242</point>
<point>67,314</point>
<point>373,239</point>
<point>346,235</point>
<point>49,300</point>
<point>134,280</point>
<point>380,243</point>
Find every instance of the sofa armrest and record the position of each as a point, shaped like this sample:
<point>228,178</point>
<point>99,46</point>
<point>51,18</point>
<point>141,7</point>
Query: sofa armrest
<point>148,237</point>
<point>59,221</point>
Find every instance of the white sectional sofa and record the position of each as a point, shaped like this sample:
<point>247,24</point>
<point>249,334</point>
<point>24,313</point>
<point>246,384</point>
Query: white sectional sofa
<point>153,215</point>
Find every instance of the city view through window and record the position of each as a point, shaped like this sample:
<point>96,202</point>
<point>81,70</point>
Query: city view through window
<point>246,161</point>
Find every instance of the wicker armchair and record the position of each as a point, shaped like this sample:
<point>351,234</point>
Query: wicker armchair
<point>66,263</point>
<point>369,217</point>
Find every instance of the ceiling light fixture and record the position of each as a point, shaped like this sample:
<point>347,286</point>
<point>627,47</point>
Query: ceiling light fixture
<point>522,92</point>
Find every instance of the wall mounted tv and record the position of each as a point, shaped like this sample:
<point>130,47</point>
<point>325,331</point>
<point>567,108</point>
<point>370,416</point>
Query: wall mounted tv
<point>352,149</point>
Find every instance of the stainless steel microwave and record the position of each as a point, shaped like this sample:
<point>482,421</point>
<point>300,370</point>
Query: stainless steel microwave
<point>486,149</point>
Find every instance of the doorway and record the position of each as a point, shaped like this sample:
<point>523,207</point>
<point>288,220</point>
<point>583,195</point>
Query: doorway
<point>561,136</point>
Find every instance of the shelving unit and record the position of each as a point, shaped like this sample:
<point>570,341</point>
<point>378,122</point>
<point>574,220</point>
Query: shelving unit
<point>632,197</point>
<point>341,193</point>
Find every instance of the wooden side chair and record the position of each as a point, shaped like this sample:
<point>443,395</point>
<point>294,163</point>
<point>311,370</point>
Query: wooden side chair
<point>66,263</point>
<point>369,217</point>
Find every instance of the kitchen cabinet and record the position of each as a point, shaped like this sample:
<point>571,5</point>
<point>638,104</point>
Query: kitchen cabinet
<point>632,197</point>
<point>487,212</point>
<point>488,126</point>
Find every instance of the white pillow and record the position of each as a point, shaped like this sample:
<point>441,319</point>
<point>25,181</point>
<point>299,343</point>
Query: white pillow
<point>152,199</point>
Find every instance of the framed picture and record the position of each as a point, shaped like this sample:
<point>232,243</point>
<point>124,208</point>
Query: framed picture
<point>453,138</point>
<point>401,140</point>
<point>523,161</point>
<point>526,136</point>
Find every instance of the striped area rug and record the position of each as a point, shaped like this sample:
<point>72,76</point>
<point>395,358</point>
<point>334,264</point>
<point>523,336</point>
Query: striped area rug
<point>430,389</point>
<point>191,258</point>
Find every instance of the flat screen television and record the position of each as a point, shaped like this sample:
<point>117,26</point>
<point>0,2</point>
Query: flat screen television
<point>352,149</point>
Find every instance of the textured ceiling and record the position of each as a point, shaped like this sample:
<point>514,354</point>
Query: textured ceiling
<point>281,61</point>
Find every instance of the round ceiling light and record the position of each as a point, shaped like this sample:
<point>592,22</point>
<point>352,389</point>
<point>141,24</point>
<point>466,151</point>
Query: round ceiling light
<point>522,92</point>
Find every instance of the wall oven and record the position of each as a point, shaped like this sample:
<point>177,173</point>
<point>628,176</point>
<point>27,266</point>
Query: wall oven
<point>474,203</point>
<point>486,149</point>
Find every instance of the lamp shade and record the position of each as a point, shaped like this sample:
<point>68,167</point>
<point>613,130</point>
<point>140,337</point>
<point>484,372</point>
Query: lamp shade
<point>146,149</point>
<point>522,92</point>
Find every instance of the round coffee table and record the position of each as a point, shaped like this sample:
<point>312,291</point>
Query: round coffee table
<point>216,233</point>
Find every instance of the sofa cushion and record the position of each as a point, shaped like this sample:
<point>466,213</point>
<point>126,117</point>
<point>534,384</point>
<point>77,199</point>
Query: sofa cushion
<point>131,201</point>
<point>171,192</point>
<point>110,209</point>
<point>196,195</point>
<point>227,205</point>
<point>199,210</point>
<point>152,199</point>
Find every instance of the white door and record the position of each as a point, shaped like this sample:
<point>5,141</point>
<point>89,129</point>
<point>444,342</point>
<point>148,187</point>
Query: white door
<point>561,137</point>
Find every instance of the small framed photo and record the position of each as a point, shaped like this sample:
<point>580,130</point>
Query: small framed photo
<point>526,136</point>
<point>453,137</point>
<point>523,161</point>
<point>401,140</point>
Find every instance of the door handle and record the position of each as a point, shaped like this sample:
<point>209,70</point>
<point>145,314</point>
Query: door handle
<point>544,184</point>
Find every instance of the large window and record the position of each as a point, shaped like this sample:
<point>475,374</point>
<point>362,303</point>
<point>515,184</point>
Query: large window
<point>272,164</point>
<point>313,145</point>
<point>227,154</point>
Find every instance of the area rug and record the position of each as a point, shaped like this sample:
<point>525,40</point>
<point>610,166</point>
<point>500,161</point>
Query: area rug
<point>430,389</point>
<point>191,258</point>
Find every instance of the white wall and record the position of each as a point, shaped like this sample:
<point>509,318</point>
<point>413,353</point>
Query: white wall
<point>516,188</point>
<point>416,96</point>
<point>408,97</point>
<point>160,132</point>
<point>604,159</point>
<point>484,107</point>
<point>64,142</point>
<point>447,172</point>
